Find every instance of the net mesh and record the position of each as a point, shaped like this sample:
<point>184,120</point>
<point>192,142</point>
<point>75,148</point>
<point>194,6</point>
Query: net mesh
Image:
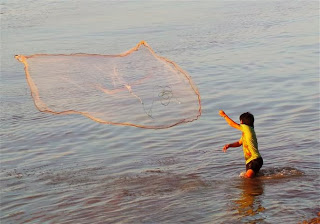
<point>136,88</point>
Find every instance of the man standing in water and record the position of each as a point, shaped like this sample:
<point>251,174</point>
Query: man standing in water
<point>248,140</point>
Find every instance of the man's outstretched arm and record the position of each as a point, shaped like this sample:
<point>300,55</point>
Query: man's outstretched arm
<point>229,120</point>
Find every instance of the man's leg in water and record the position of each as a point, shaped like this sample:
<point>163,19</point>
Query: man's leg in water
<point>250,173</point>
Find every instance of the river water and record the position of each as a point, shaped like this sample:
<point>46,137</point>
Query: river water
<point>257,56</point>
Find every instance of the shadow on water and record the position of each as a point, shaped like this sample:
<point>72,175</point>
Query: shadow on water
<point>149,191</point>
<point>100,196</point>
<point>157,183</point>
<point>249,201</point>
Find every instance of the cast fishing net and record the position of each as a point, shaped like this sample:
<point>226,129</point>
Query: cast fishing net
<point>136,88</point>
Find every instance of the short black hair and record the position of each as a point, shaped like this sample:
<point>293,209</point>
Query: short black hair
<point>247,118</point>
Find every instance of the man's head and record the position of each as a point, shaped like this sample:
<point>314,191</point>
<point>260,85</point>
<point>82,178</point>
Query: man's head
<point>247,118</point>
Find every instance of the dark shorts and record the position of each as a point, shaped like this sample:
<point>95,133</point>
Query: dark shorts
<point>255,165</point>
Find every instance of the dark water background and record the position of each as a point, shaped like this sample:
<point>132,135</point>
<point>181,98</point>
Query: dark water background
<point>257,56</point>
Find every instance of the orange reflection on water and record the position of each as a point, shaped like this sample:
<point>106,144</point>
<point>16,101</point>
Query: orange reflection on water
<point>249,202</point>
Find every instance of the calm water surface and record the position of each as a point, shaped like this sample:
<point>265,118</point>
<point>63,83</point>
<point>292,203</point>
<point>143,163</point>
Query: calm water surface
<point>261,57</point>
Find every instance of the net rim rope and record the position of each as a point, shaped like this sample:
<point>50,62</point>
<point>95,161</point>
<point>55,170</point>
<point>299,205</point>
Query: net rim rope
<point>44,108</point>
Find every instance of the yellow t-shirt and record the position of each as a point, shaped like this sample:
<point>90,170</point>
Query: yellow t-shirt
<point>249,143</point>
